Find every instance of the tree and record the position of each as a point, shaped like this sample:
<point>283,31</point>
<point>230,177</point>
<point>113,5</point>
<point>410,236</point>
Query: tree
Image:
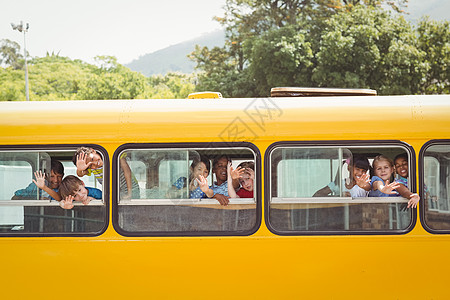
<point>434,40</point>
<point>369,48</point>
<point>280,57</point>
<point>245,21</point>
<point>54,77</point>
<point>397,5</point>
<point>223,72</point>
<point>10,54</point>
<point>171,86</point>
<point>59,78</point>
<point>350,43</point>
<point>12,85</point>
<point>111,80</point>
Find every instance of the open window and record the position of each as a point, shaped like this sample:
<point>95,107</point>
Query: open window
<point>311,190</point>
<point>167,199</point>
<point>26,209</point>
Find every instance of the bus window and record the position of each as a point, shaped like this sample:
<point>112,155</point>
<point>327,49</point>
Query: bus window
<point>170,201</point>
<point>312,190</point>
<point>435,186</point>
<point>26,209</point>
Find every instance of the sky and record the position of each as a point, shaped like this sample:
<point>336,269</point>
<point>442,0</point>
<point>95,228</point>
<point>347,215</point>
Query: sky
<point>126,29</point>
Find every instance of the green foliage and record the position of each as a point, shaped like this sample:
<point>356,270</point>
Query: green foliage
<point>56,78</point>
<point>348,44</point>
<point>434,40</point>
<point>110,80</point>
<point>173,85</point>
<point>281,57</point>
<point>223,72</point>
<point>369,48</point>
<point>59,78</point>
<point>269,43</point>
<point>10,54</point>
<point>12,84</point>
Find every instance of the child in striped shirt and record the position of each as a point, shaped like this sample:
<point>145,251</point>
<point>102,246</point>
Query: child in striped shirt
<point>89,162</point>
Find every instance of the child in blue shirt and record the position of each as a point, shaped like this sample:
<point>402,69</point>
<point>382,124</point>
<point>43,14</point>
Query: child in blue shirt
<point>401,168</point>
<point>383,168</point>
<point>198,185</point>
<point>72,189</point>
<point>48,189</point>
<point>220,186</point>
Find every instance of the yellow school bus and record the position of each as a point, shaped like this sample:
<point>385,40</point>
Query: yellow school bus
<point>282,242</point>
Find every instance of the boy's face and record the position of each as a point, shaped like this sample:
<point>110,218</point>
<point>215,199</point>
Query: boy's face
<point>246,182</point>
<point>81,193</point>
<point>401,167</point>
<point>358,172</point>
<point>55,180</point>
<point>220,169</point>
<point>96,160</point>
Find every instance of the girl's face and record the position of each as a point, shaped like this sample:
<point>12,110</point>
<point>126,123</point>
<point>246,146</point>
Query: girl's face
<point>246,182</point>
<point>358,172</point>
<point>200,169</point>
<point>401,167</point>
<point>383,169</point>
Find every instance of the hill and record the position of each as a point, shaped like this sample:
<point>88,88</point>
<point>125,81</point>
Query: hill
<point>174,58</point>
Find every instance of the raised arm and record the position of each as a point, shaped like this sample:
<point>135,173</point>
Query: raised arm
<point>387,188</point>
<point>203,184</point>
<point>363,182</point>
<point>40,183</point>
<point>127,173</point>
<point>235,175</point>
<point>82,166</point>
<point>67,203</point>
<point>232,173</point>
<point>406,193</point>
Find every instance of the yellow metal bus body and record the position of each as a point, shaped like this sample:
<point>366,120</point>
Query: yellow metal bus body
<point>261,265</point>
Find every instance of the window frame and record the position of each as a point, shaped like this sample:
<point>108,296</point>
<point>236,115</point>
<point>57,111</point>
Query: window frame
<point>341,144</point>
<point>105,187</point>
<point>191,147</point>
<point>422,204</point>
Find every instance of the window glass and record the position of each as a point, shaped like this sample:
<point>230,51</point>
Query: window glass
<point>436,184</point>
<point>27,209</point>
<point>301,172</point>
<point>314,189</point>
<point>167,198</point>
<point>15,177</point>
<point>71,169</point>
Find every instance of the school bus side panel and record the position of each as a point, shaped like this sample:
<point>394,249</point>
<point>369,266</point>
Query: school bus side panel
<point>263,265</point>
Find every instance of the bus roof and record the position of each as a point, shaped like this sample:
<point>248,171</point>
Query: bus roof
<point>318,92</point>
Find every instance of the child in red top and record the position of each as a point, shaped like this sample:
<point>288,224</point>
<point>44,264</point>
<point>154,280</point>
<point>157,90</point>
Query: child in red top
<point>245,172</point>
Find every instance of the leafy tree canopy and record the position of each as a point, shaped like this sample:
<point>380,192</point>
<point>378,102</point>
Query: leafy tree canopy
<point>10,54</point>
<point>434,41</point>
<point>59,78</point>
<point>349,44</point>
